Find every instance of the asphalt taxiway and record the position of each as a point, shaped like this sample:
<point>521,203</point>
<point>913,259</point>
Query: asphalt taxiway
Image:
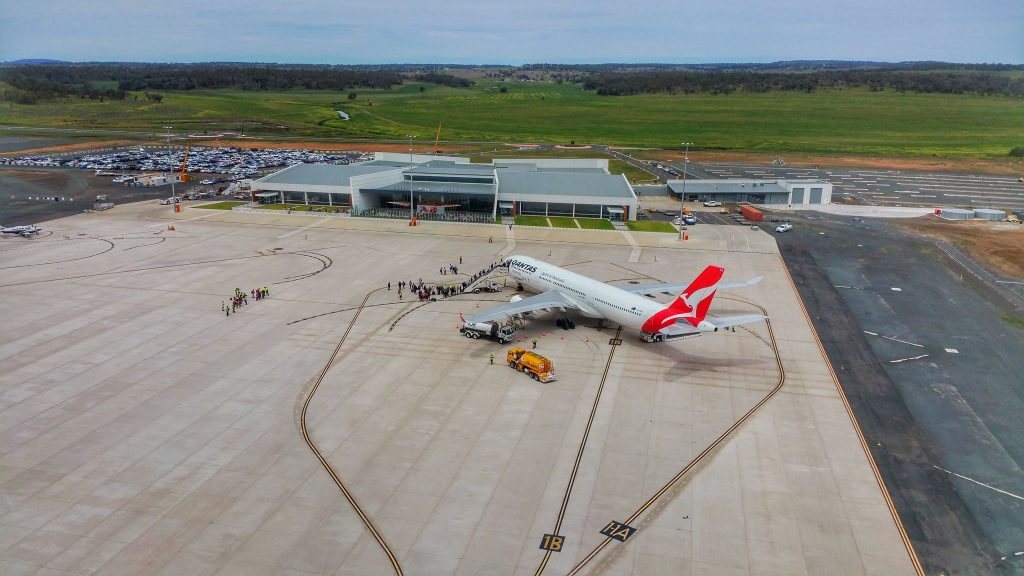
<point>931,360</point>
<point>335,428</point>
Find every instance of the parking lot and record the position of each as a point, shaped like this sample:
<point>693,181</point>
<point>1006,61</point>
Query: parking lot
<point>231,163</point>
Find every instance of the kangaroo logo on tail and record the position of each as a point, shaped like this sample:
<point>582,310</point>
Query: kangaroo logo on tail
<point>692,305</point>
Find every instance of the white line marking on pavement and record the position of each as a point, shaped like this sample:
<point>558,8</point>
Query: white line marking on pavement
<point>906,359</point>
<point>297,230</point>
<point>510,242</point>
<point>894,339</point>
<point>902,341</point>
<point>634,256</point>
<point>1010,494</point>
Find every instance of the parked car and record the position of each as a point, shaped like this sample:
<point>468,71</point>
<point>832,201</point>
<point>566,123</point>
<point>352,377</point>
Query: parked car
<point>784,228</point>
<point>171,200</point>
<point>712,203</point>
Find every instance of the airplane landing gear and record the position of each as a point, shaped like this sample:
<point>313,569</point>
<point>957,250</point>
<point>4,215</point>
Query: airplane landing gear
<point>565,324</point>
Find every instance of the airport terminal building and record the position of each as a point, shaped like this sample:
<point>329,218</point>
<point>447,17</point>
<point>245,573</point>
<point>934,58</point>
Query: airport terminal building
<point>578,187</point>
<point>767,192</point>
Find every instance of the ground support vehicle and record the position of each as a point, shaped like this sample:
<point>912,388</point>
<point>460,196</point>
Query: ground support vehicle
<point>493,330</point>
<point>490,286</point>
<point>538,367</point>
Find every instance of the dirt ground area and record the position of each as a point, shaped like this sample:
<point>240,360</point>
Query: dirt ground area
<point>1000,167</point>
<point>85,145</point>
<point>999,246</point>
<point>418,147</point>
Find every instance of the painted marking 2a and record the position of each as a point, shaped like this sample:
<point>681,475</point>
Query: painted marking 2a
<point>618,531</point>
<point>552,542</point>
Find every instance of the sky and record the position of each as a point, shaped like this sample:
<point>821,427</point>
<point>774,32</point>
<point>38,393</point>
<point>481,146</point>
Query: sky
<point>512,32</point>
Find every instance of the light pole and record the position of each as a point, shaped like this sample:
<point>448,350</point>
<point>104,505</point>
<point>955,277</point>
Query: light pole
<point>682,196</point>
<point>411,213</point>
<point>171,174</point>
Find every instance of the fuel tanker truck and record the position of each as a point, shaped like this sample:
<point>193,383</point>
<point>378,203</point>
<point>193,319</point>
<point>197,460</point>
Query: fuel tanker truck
<point>492,330</point>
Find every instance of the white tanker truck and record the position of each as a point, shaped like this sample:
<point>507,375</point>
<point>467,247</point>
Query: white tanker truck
<point>501,333</point>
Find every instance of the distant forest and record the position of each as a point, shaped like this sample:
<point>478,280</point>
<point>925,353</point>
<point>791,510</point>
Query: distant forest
<point>726,82</point>
<point>30,82</point>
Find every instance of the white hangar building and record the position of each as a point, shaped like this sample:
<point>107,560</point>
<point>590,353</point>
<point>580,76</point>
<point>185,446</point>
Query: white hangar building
<point>765,192</point>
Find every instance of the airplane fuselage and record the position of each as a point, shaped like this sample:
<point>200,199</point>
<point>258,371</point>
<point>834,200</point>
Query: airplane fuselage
<point>594,298</point>
<point>25,231</point>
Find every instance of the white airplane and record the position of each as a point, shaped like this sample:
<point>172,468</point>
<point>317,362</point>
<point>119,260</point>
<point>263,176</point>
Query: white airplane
<point>25,231</point>
<point>626,305</point>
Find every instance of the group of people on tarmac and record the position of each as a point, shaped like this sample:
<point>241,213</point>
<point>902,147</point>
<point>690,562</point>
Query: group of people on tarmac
<point>240,298</point>
<point>425,291</point>
<point>451,269</point>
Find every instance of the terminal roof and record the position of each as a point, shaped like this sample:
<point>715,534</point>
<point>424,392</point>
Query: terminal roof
<point>322,174</point>
<point>564,184</point>
<point>728,186</point>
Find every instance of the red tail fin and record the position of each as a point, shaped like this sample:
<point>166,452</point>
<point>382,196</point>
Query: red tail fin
<point>696,299</point>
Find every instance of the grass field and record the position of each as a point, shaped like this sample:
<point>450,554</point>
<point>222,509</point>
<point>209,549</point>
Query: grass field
<point>651,226</point>
<point>633,174</point>
<point>848,121</point>
<point>595,224</point>
<point>531,221</point>
<point>227,205</point>
<point>303,208</point>
<point>563,222</point>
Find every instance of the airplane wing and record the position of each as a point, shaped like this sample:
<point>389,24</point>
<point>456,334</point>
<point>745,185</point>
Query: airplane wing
<point>674,289</point>
<point>683,328</point>
<point>543,301</point>
<point>730,321</point>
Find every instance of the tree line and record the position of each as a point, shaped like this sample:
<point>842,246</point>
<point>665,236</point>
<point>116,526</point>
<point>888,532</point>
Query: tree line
<point>726,82</point>
<point>28,90</point>
<point>31,83</point>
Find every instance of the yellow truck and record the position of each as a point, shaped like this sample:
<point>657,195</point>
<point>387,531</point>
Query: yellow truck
<point>538,367</point>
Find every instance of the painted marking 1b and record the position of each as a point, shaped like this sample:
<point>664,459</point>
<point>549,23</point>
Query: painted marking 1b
<point>618,531</point>
<point>552,542</point>
<point>615,341</point>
